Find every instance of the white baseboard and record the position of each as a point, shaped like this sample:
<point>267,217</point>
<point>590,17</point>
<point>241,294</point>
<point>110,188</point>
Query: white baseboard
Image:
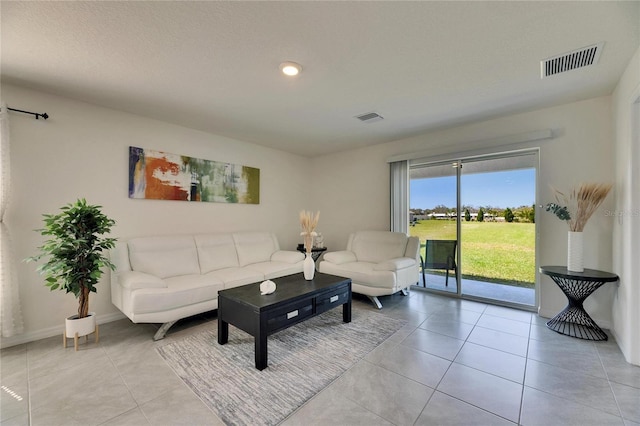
<point>545,314</point>
<point>58,330</point>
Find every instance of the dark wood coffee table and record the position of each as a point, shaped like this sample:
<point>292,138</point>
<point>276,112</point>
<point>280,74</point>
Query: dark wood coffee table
<point>294,301</point>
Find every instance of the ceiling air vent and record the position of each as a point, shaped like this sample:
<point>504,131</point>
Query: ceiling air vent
<point>370,117</point>
<point>569,61</point>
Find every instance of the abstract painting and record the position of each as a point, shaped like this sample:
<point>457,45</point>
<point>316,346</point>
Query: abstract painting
<point>161,176</point>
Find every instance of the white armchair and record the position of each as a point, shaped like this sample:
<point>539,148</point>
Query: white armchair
<point>379,263</point>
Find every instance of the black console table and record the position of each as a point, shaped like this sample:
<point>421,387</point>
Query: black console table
<point>577,286</point>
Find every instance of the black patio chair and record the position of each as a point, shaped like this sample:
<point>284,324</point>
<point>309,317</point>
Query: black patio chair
<point>439,254</point>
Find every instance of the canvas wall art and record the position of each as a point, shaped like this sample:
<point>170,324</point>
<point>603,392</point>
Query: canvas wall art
<point>162,176</point>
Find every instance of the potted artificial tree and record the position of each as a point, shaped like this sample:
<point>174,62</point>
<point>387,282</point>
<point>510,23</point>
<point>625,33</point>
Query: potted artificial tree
<point>76,253</point>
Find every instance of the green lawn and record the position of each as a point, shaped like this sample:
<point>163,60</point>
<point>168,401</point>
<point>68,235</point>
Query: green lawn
<point>491,251</point>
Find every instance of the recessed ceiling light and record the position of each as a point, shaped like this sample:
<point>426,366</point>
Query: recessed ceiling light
<point>290,68</point>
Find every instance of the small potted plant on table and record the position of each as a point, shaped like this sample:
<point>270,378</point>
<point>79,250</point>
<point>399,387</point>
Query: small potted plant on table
<point>76,253</point>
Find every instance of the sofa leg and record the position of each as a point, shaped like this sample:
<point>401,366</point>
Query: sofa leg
<point>163,330</point>
<point>405,291</point>
<point>375,301</point>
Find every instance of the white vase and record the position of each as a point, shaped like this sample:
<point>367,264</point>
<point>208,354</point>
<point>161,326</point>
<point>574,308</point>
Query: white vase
<point>574,252</point>
<point>309,267</point>
<point>75,327</point>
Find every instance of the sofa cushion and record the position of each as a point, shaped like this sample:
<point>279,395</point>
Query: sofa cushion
<point>164,257</point>
<point>254,247</point>
<point>361,273</point>
<point>234,277</point>
<point>216,251</point>
<point>287,256</point>
<point>378,246</point>
<point>181,291</point>
<point>275,269</point>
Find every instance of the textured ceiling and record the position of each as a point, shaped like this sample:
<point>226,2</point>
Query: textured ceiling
<point>213,66</point>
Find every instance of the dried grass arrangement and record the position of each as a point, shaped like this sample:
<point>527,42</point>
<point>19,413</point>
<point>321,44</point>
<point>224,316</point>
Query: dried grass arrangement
<point>308,222</point>
<point>579,204</point>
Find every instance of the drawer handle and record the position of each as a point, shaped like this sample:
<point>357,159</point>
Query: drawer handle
<point>333,298</point>
<point>292,314</point>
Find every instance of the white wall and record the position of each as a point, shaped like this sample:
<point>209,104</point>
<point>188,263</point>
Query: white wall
<point>626,249</point>
<point>357,185</point>
<point>82,151</point>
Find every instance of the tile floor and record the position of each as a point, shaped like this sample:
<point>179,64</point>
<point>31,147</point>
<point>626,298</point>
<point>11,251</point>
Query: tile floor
<point>457,362</point>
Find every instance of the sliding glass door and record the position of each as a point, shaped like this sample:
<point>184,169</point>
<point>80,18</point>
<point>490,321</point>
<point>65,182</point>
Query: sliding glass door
<point>433,217</point>
<point>498,235</point>
<point>486,205</point>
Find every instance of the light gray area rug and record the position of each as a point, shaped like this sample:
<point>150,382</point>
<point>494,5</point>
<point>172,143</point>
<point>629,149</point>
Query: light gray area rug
<point>302,359</point>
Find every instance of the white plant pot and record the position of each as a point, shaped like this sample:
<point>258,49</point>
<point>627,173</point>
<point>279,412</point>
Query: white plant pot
<point>575,249</point>
<point>309,267</point>
<point>75,328</point>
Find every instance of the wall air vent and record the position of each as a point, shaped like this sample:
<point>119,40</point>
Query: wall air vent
<point>370,117</point>
<point>569,61</point>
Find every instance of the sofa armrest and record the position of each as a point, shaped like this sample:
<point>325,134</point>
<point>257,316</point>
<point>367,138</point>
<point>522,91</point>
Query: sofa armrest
<point>287,256</point>
<point>135,280</point>
<point>339,257</point>
<point>395,264</point>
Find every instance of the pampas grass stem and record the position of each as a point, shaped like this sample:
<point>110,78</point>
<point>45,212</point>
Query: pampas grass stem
<point>308,222</point>
<point>583,202</point>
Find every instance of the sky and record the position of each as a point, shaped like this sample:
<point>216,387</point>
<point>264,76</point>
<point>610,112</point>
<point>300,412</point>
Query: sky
<point>512,188</point>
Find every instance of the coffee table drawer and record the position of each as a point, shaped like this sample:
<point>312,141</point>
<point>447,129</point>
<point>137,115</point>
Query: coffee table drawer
<point>284,317</point>
<point>329,300</point>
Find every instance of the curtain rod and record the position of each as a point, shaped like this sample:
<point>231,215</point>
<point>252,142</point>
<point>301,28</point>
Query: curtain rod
<point>37,114</point>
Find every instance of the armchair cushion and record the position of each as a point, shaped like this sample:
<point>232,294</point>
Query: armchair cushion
<point>395,264</point>
<point>378,246</point>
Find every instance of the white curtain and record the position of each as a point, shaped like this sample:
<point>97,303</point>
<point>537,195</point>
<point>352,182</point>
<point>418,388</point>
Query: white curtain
<point>399,196</point>
<point>10,312</point>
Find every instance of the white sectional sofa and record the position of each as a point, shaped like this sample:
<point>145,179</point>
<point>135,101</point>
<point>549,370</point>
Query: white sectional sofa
<point>379,263</point>
<point>162,279</point>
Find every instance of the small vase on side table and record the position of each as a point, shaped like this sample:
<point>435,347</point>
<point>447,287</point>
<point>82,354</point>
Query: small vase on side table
<point>575,249</point>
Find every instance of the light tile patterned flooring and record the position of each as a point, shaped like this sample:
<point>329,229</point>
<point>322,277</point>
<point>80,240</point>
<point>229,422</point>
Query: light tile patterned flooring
<point>457,362</point>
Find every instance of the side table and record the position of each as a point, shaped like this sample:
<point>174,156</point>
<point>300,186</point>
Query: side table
<point>577,286</point>
<point>315,252</point>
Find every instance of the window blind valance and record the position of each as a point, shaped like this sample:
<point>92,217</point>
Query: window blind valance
<point>483,147</point>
